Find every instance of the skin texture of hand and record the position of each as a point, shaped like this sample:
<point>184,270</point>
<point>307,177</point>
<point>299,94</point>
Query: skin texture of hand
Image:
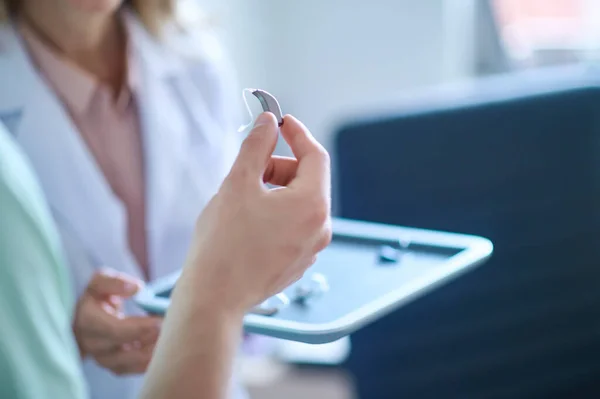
<point>121,344</point>
<point>250,243</point>
<point>271,235</point>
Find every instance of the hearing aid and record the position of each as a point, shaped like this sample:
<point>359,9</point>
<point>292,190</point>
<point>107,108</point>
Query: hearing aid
<point>269,104</point>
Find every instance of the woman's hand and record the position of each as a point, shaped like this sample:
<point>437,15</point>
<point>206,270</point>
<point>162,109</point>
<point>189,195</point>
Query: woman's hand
<point>250,243</point>
<point>119,343</point>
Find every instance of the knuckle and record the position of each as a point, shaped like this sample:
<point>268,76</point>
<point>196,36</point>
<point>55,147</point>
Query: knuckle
<point>237,175</point>
<point>323,241</point>
<point>319,214</point>
<point>321,154</point>
<point>327,236</point>
<point>324,154</point>
<point>294,251</point>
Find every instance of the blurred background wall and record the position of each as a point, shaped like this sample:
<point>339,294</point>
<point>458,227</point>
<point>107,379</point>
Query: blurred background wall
<point>321,58</point>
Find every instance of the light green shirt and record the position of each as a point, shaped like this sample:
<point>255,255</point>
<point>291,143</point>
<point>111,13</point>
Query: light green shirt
<point>38,353</point>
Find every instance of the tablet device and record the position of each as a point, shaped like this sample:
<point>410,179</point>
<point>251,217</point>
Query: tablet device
<point>368,271</point>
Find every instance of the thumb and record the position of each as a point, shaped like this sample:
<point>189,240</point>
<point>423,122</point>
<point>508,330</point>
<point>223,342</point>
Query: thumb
<point>107,282</point>
<point>257,148</point>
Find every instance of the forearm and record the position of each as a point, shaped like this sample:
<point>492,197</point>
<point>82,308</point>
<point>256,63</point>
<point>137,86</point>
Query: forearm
<point>195,353</point>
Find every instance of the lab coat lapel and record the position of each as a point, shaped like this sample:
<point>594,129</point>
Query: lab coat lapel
<point>165,137</point>
<point>164,134</point>
<point>179,141</point>
<point>75,188</point>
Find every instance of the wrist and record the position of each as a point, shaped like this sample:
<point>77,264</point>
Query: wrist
<point>208,298</point>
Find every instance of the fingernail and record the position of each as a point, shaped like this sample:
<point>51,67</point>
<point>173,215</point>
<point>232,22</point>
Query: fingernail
<point>263,119</point>
<point>131,287</point>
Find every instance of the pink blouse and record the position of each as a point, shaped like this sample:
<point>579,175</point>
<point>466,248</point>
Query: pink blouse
<point>108,124</point>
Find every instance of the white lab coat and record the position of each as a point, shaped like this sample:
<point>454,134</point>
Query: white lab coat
<point>186,108</point>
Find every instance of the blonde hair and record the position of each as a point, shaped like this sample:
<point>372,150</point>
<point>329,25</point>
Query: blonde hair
<point>154,14</point>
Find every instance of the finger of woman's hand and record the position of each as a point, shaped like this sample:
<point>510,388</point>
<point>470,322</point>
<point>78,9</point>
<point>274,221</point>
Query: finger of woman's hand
<point>99,323</point>
<point>298,137</point>
<point>257,148</point>
<point>313,160</point>
<point>109,282</point>
<point>133,328</point>
<point>122,362</point>
<point>280,170</point>
<point>95,347</point>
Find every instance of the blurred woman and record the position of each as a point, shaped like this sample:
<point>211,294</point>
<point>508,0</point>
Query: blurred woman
<point>127,115</point>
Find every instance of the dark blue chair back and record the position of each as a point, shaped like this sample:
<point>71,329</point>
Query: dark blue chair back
<point>519,165</point>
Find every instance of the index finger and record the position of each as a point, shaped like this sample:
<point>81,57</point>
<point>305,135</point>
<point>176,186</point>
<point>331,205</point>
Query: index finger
<point>313,159</point>
<point>108,282</point>
<point>135,327</point>
<point>126,329</point>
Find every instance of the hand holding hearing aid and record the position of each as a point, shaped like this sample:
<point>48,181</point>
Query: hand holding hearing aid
<point>251,242</point>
